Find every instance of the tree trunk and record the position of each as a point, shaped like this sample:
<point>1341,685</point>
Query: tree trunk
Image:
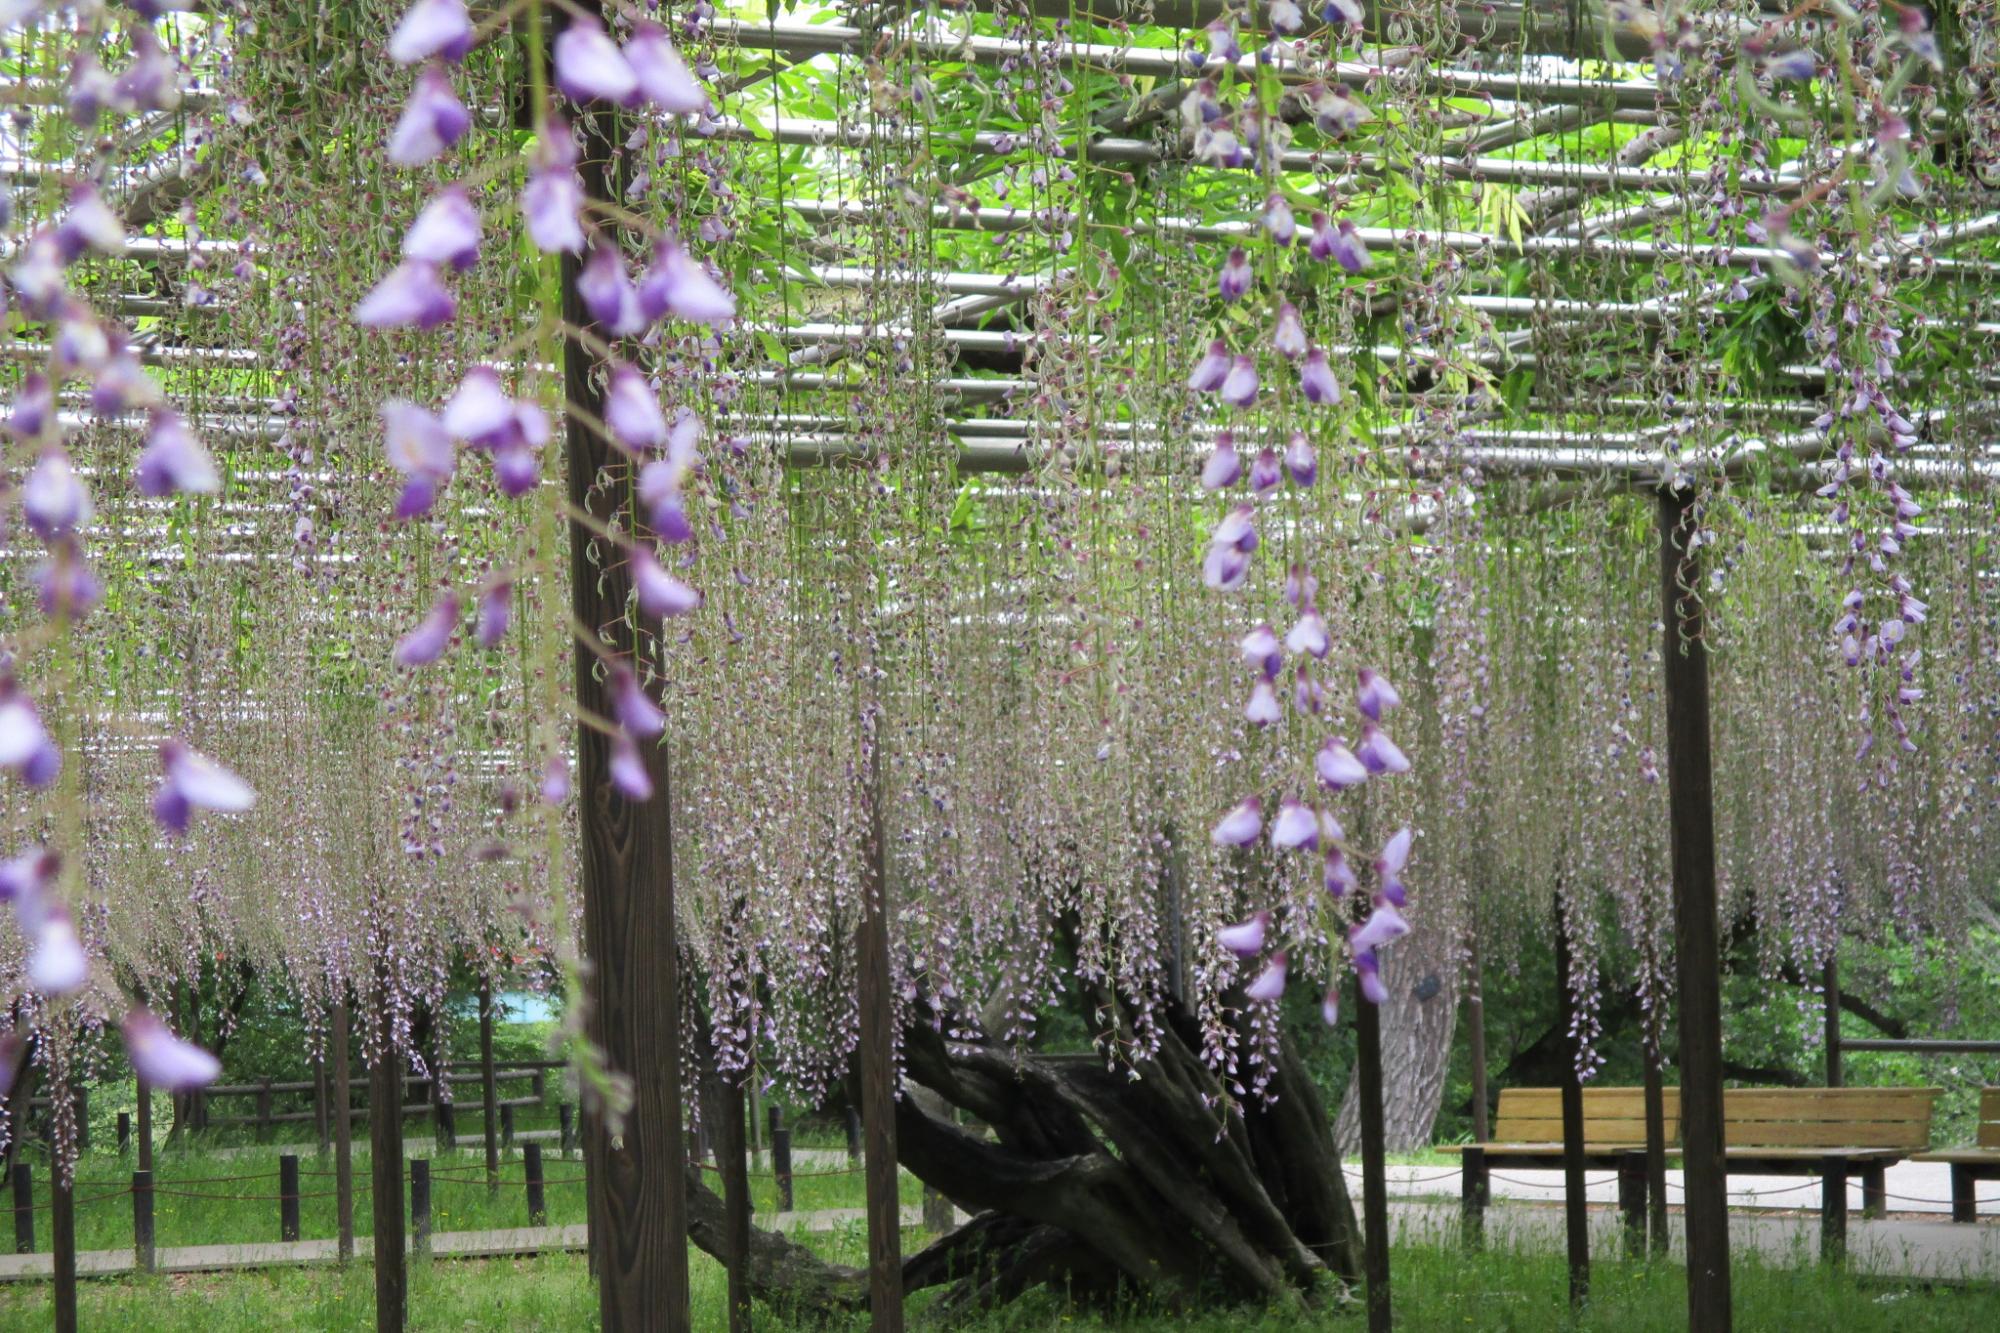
<point>1100,1186</point>
<point>1421,971</point>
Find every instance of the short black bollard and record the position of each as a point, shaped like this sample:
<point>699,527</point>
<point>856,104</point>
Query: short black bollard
<point>853,1135</point>
<point>531,1168</point>
<point>420,1206</point>
<point>506,1126</point>
<point>24,1208</point>
<point>775,1116</point>
<point>288,1197</point>
<point>781,1166</point>
<point>1833,1211</point>
<point>143,1253</point>
<point>566,1117</point>
<point>1473,1195</point>
<point>447,1126</point>
<point>1632,1201</point>
<point>124,1132</point>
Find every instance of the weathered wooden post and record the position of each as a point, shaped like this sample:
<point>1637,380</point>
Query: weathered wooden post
<point>385,1145</point>
<point>531,1171</point>
<point>288,1197</point>
<point>24,1208</point>
<point>878,1060</point>
<point>144,1253</point>
<point>1576,1218</point>
<point>1690,798</point>
<point>62,1229</point>
<point>420,1206</point>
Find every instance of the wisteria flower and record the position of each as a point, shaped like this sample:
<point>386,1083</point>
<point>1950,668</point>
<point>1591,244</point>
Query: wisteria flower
<point>1368,971</point>
<point>496,608</point>
<point>1212,369</point>
<point>1316,379</point>
<point>420,448</point>
<point>480,412</point>
<point>628,769</point>
<point>1239,387</point>
<point>53,499</point>
<point>1263,710</point>
<point>446,232</point>
<point>1288,339</point>
<point>57,965</point>
<point>411,296</point>
<point>633,412</point>
<point>662,76</point>
<point>1240,827</point>
<point>1379,754</point>
<point>1234,280</point>
<point>1296,828</point>
<point>1338,767</point>
<point>1269,984</point>
<point>636,713</point>
<point>674,284</point>
<point>174,461</point>
<point>590,67</point>
<point>1279,223</point>
<point>161,1058</point>
<point>1223,467</point>
<point>190,782</point>
<point>432,121</point>
<point>88,225</point>
<point>1385,925</point>
<point>26,750</point>
<point>1301,460</point>
<point>1265,474</point>
<point>659,593</point>
<point>1339,877</point>
<point>608,293</point>
<point>426,643</point>
<point>1247,939</point>
<point>430,28</point>
<point>1374,695</point>
<point>1260,651</point>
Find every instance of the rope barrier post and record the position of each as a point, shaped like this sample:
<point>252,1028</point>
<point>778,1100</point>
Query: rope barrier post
<point>1964,1199</point>
<point>124,1132</point>
<point>781,1161</point>
<point>343,1135</point>
<point>1874,1188</point>
<point>143,1252</point>
<point>531,1168</point>
<point>1632,1201</point>
<point>853,1125</point>
<point>62,1226</point>
<point>493,1151</point>
<point>264,1109</point>
<point>1833,1210</point>
<point>420,1206</point>
<point>1475,1190</point>
<point>288,1197</point>
<point>566,1118</point>
<point>447,1116</point>
<point>24,1208</point>
<point>145,1125</point>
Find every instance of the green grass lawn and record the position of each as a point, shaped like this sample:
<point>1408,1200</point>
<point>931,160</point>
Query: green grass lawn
<point>1435,1288</point>
<point>198,1195</point>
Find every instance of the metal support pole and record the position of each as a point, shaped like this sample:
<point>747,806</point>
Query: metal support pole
<point>1705,1214</point>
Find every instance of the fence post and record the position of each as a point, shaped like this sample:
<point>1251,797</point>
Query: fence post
<point>566,1117</point>
<point>1833,1210</point>
<point>447,1117</point>
<point>62,1225</point>
<point>264,1111</point>
<point>288,1197</point>
<point>24,1208</point>
<point>1472,1197</point>
<point>531,1167</point>
<point>781,1161</point>
<point>420,1206</point>
<point>124,1132</point>
<point>1632,1201</point>
<point>143,1253</point>
<point>853,1135</point>
<point>506,1141</point>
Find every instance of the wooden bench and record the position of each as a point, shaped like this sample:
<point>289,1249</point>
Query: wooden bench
<point>1979,1162</point>
<point>1528,1132</point>
<point>1832,1133</point>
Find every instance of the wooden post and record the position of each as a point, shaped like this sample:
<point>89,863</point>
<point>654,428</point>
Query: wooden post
<point>1475,1030</point>
<point>1473,1194</point>
<point>488,1087</point>
<point>1656,1152</point>
<point>1374,1182</point>
<point>385,1144</point>
<point>851,1120</point>
<point>288,1197</point>
<point>144,1253</point>
<point>733,1161</point>
<point>24,1208</point>
<point>145,1124</point>
<point>1705,1214</point>
<point>124,1132</point>
<point>531,1172</point>
<point>566,1127</point>
<point>343,1135</point>
<point>322,1126</point>
<point>62,1229</point>
<point>1833,1072</point>
<point>420,1207</point>
<point>264,1110</point>
<point>1632,1202</point>
<point>506,1141</point>
<point>781,1162</point>
<point>1576,1217</point>
<point>1833,1211</point>
<point>638,1179</point>
<point>878,1062</point>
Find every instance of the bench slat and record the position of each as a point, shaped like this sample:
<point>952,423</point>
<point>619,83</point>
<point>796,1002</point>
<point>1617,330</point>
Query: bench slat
<point>1827,1134</point>
<point>1619,1130</point>
<point>1989,1118</point>
<point>1828,1103</point>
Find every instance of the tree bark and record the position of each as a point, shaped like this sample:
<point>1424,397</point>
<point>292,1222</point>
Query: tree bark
<point>1421,972</point>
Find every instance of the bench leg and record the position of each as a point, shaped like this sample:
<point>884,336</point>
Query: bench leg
<point>1833,1210</point>
<point>1632,1201</point>
<point>1874,1189</point>
<point>1964,1203</point>
<point>1473,1194</point>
